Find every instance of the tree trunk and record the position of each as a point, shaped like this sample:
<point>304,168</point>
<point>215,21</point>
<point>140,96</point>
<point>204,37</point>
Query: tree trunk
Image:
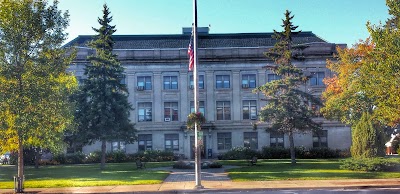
<point>103,154</point>
<point>37,157</point>
<point>20,176</point>
<point>292,153</point>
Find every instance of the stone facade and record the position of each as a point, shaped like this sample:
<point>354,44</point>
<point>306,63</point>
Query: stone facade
<point>161,91</point>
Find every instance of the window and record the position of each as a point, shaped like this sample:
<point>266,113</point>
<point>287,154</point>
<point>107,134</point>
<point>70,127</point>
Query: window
<point>224,141</point>
<point>80,80</point>
<point>145,111</point>
<point>200,82</point>
<point>145,142</point>
<point>118,146</point>
<point>248,81</point>
<point>122,79</point>
<point>249,109</point>
<point>223,110</point>
<point>316,110</point>
<point>320,139</point>
<point>276,139</point>
<point>171,142</point>
<point>223,81</point>
<point>272,77</point>
<point>170,111</point>
<point>201,107</point>
<point>170,82</point>
<point>250,140</point>
<point>316,78</point>
<point>144,83</point>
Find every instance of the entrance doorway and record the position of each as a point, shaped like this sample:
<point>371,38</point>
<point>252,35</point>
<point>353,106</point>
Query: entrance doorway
<point>202,148</point>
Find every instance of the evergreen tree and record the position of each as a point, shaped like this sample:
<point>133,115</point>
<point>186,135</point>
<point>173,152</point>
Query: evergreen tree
<point>34,83</point>
<point>288,108</point>
<point>367,138</point>
<point>103,107</point>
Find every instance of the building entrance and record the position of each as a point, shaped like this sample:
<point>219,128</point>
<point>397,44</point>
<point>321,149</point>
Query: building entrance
<point>202,147</point>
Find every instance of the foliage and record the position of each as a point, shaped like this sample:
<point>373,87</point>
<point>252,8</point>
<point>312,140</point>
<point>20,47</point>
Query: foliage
<point>323,152</point>
<point>195,118</point>
<point>275,153</point>
<point>215,165</point>
<point>367,139</point>
<point>116,156</point>
<point>153,156</point>
<point>102,103</point>
<point>242,153</point>
<point>239,153</point>
<point>183,165</point>
<point>288,109</point>
<point>93,157</point>
<point>368,76</point>
<point>345,98</point>
<point>34,83</point>
<point>370,164</point>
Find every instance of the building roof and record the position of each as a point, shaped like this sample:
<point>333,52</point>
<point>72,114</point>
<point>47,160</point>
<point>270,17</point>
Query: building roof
<point>174,41</point>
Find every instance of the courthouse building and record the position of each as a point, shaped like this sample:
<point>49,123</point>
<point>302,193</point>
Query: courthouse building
<point>230,67</point>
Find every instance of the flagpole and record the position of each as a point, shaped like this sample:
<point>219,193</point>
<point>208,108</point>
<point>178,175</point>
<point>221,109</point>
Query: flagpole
<point>197,128</point>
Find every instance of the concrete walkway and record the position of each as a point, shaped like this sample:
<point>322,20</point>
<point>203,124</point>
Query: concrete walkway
<point>180,181</point>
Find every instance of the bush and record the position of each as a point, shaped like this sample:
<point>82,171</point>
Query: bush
<point>59,158</point>
<point>116,156</point>
<point>321,153</point>
<point>183,165</point>
<point>239,153</point>
<point>75,158</point>
<point>275,153</point>
<point>215,165</point>
<point>93,157</point>
<point>367,137</point>
<point>370,164</point>
<point>153,156</point>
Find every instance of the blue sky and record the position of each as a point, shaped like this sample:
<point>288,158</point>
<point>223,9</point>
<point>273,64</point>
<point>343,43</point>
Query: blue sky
<point>339,21</point>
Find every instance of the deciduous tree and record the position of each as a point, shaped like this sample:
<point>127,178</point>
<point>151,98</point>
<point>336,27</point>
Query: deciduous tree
<point>34,85</point>
<point>102,104</point>
<point>288,109</point>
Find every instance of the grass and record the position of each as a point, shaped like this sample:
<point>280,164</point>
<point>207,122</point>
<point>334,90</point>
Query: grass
<point>311,169</point>
<point>84,175</point>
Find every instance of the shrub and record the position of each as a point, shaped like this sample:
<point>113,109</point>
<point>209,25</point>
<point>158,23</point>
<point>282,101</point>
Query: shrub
<point>369,164</point>
<point>215,165</point>
<point>116,156</point>
<point>239,153</point>
<point>183,165</point>
<point>275,153</point>
<point>322,153</point>
<point>153,156</point>
<point>75,158</point>
<point>93,157</point>
<point>367,137</point>
<point>59,158</point>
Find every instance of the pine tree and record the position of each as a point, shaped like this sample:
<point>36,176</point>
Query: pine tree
<point>367,138</point>
<point>103,107</point>
<point>288,108</point>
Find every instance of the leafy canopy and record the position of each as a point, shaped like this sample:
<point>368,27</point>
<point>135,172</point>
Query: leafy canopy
<point>34,85</point>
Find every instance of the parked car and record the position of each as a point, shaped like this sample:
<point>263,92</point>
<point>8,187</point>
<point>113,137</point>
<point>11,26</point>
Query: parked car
<point>5,158</point>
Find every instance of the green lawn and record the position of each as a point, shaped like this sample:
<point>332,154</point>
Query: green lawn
<point>311,169</point>
<point>84,175</point>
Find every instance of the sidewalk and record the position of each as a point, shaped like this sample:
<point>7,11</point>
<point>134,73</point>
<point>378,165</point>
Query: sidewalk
<point>216,179</point>
<point>210,186</point>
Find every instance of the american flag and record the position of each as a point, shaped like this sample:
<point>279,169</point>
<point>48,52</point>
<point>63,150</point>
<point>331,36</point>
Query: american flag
<point>191,54</point>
